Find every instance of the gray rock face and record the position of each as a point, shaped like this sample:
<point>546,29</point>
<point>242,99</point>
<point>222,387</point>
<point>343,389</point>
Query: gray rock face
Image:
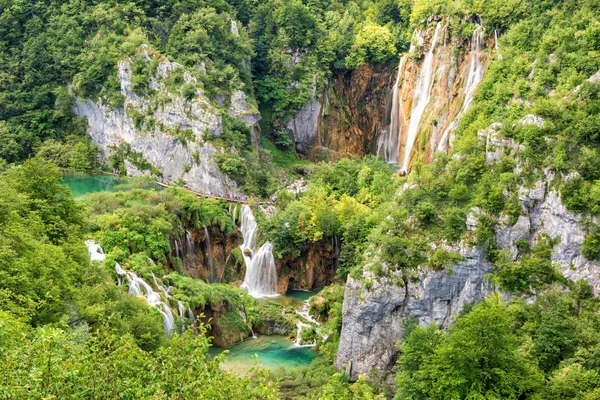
<point>374,309</point>
<point>557,222</point>
<point>304,126</point>
<point>373,318</point>
<point>156,131</point>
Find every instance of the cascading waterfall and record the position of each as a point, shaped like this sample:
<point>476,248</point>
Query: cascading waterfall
<point>388,145</point>
<point>496,46</point>
<point>209,259</point>
<point>260,279</point>
<point>420,100</point>
<point>137,286</point>
<point>180,308</point>
<point>190,244</point>
<point>304,313</point>
<point>474,77</point>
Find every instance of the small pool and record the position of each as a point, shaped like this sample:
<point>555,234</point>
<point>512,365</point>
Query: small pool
<point>273,352</point>
<point>84,184</point>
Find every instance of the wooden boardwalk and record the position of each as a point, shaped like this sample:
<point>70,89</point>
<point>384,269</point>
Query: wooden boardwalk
<point>211,196</point>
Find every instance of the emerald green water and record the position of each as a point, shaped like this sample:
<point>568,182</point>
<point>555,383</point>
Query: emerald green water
<point>84,184</point>
<point>273,352</point>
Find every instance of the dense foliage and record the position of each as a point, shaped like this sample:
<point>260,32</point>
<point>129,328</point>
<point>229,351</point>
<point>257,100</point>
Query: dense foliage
<point>67,329</point>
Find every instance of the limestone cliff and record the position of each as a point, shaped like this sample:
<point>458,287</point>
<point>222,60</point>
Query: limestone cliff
<point>162,132</point>
<point>373,317</point>
<point>375,308</point>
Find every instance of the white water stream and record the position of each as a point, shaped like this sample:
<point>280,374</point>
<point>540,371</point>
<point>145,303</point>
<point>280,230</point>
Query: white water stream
<point>420,99</point>
<point>260,279</point>
<point>138,287</point>
<point>474,77</point>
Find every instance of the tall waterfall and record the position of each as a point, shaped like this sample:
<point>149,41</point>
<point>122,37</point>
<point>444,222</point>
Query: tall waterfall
<point>474,77</point>
<point>260,279</point>
<point>420,99</point>
<point>388,144</point>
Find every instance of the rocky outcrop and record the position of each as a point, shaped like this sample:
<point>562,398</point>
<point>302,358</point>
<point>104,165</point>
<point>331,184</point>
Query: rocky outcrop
<point>314,268</point>
<point>344,119</point>
<point>163,133</point>
<point>304,126</point>
<point>225,324</point>
<point>209,257</point>
<point>375,309</point>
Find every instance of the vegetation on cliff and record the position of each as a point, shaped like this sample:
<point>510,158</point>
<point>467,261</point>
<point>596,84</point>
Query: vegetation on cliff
<point>68,330</point>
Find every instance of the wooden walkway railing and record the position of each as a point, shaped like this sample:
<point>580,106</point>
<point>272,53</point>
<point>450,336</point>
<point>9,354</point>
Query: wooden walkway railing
<point>212,196</point>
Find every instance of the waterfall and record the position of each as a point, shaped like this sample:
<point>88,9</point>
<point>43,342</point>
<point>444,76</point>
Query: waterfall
<point>420,100</point>
<point>180,308</point>
<point>176,247</point>
<point>260,279</point>
<point>304,313</point>
<point>192,318</point>
<point>139,287</point>
<point>165,289</point>
<point>496,47</point>
<point>388,145</point>
<point>209,260</point>
<point>474,77</point>
<point>96,252</point>
<point>233,211</point>
<point>189,243</point>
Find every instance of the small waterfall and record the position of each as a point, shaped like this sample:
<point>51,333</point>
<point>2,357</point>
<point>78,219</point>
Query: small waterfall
<point>137,286</point>
<point>420,100</point>
<point>496,47</point>
<point>176,248</point>
<point>96,252</point>
<point>245,319</point>
<point>233,211</point>
<point>140,288</point>
<point>192,318</point>
<point>212,278</point>
<point>474,77</point>
<point>180,308</point>
<point>260,279</point>
<point>189,243</point>
<point>304,313</point>
<point>163,288</point>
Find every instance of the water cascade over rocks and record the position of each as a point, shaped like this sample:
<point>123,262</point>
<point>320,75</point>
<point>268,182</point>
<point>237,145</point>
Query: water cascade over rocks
<point>138,286</point>
<point>260,279</point>
<point>429,97</point>
<point>388,144</point>
<point>210,265</point>
<point>300,325</point>
<point>421,99</point>
<point>474,77</point>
